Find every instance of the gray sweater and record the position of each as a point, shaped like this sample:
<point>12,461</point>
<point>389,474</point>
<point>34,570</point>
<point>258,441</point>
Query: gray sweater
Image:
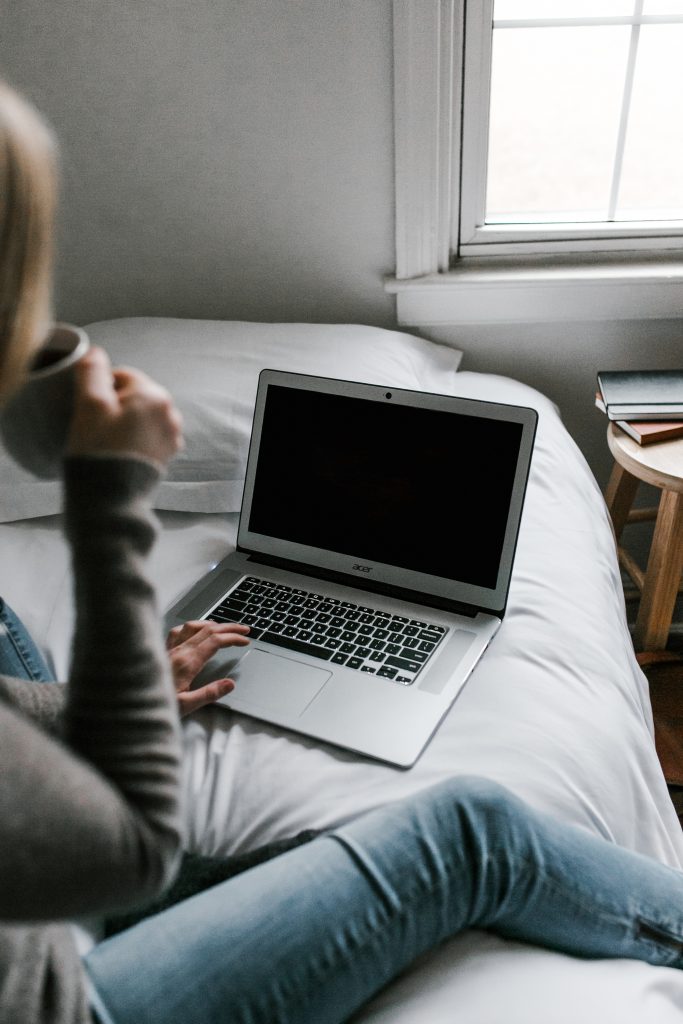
<point>89,773</point>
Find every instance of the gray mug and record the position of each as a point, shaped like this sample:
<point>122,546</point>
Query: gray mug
<point>35,422</point>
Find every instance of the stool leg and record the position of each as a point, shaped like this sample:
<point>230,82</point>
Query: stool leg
<point>662,577</point>
<point>621,490</point>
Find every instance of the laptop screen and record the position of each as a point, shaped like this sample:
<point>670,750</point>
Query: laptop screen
<point>421,485</point>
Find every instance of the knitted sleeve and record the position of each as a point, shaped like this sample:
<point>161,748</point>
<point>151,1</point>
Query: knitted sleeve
<point>90,822</point>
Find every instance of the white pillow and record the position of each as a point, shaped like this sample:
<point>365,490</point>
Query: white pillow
<point>211,368</point>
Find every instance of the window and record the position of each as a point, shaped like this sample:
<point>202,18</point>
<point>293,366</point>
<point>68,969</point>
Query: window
<point>571,111</point>
<point>584,220</point>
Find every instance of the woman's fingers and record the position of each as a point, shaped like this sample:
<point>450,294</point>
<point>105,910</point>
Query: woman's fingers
<point>195,633</point>
<point>94,377</point>
<point>193,644</point>
<point>122,412</point>
<point>192,700</point>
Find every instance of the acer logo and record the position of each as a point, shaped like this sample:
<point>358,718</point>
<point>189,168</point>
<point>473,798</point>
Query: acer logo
<point>363,568</point>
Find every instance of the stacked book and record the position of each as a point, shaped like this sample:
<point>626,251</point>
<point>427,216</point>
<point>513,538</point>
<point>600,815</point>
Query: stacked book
<point>646,404</point>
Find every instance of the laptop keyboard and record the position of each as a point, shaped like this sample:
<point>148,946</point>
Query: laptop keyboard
<point>341,632</point>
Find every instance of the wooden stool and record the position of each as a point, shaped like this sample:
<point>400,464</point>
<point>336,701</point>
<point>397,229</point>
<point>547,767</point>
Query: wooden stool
<point>664,672</point>
<point>661,465</point>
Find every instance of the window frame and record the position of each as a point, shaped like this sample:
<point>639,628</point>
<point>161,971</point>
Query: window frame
<point>434,285</point>
<point>475,237</point>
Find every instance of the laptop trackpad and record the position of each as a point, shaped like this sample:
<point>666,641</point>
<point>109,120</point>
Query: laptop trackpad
<point>280,685</point>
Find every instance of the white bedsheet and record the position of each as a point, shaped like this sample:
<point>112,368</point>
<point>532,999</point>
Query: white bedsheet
<point>557,710</point>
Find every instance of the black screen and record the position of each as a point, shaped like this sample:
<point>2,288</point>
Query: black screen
<point>420,489</point>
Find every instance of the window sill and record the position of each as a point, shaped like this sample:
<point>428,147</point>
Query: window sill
<point>542,292</point>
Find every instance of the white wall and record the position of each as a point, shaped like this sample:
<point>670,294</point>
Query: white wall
<point>234,159</point>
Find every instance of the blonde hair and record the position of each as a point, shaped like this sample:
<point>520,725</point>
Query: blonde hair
<point>28,186</point>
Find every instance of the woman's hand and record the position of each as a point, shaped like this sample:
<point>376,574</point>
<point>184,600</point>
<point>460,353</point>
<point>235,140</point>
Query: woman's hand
<point>190,646</point>
<point>121,412</point>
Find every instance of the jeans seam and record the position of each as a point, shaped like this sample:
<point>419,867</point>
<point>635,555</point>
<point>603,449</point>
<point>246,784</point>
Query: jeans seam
<point>34,670</point>
<point>633,923</point>
<point>568,892</point>
<point>19,648</point>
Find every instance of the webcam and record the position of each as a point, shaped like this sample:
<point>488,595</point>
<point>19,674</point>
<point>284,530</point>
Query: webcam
<point>387,394</point>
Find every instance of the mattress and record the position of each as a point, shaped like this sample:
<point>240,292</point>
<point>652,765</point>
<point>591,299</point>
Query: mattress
<point>557,710</point>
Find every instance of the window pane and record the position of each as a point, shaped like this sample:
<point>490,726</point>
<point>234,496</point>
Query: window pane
<point>652,174</point>
<point>555,106</point>
<point>663,7</point>
<point>506,10</point>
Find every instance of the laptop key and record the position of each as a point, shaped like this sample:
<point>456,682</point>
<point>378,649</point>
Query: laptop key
<point>402,663</point>
<point>420,656</point>
<point>427,634</point>
<point>354,663</point>
<point>339,659</point>
<point>232,605</point>
<point>297,645</point>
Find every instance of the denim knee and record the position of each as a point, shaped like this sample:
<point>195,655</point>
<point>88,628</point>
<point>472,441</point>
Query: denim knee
<point>490,807</point>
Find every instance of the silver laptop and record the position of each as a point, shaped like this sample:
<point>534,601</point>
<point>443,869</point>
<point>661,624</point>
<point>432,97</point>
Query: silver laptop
<point>374,553</point>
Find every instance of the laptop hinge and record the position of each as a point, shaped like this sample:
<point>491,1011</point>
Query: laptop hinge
<point>374,586</point>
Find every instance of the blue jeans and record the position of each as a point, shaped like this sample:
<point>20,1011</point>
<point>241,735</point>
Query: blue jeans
<point>19,656</point>
<point>311,935</point>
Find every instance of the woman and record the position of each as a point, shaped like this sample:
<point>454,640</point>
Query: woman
<point>89,809</point>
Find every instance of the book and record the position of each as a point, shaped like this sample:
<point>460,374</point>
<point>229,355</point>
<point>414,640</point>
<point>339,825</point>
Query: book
<point>646,431</point>
<point>649,431</point>
<point>633,395</point>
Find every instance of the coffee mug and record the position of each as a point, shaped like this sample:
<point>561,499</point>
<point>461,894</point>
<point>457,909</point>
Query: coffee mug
<point>35,422</point>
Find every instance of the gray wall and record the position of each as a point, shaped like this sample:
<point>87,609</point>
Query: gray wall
<point>562,361</point>
<point>221,158</point>
<point>234,159</point>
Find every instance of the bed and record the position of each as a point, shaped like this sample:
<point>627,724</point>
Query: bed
<point>557,709</point>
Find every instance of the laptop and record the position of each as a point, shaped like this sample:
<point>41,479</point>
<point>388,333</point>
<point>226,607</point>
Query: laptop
<point>375,547</point>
